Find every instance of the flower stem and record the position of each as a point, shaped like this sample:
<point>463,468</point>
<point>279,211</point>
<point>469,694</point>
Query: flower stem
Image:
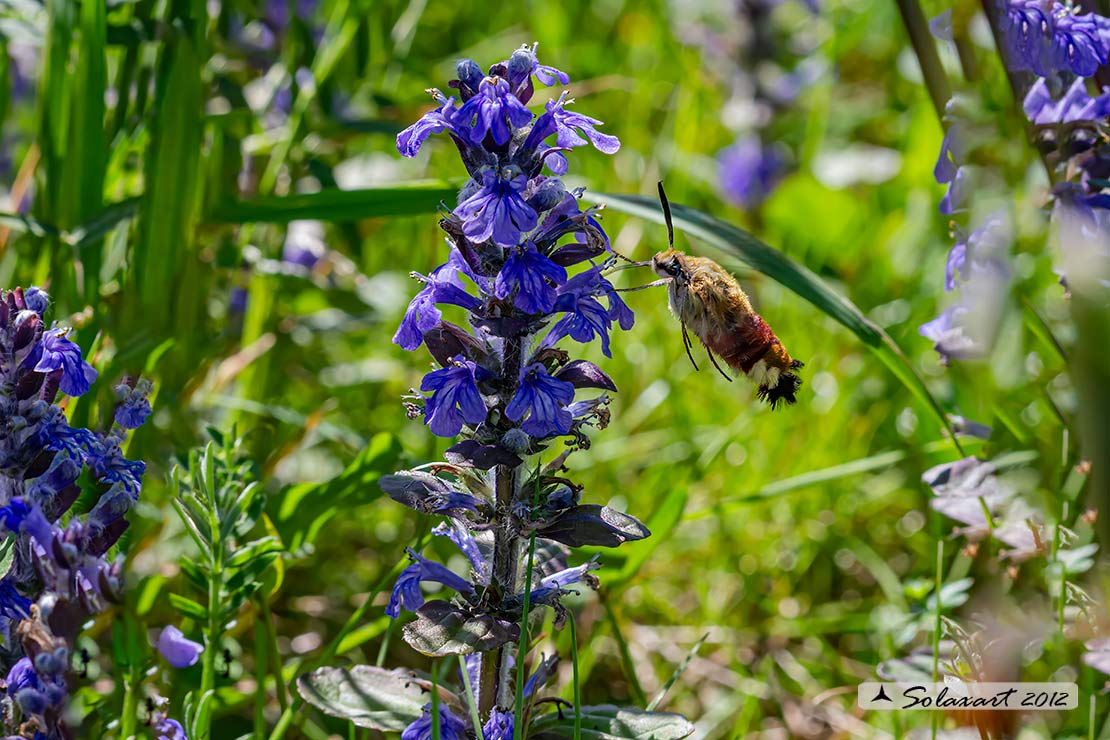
<point>935,78</point>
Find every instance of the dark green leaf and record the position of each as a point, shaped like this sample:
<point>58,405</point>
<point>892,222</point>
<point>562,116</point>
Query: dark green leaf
<point>188,607</point>
<point>591,524</point>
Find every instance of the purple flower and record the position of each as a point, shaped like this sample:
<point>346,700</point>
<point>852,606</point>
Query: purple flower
<point>572,129</point>
<point>499,726</point>
<point>956,195</point>
<point>134,407</point>
<point>455,398</point>
<point>494,110</point>
<point>443,118</point>
<point>443,285</point>
<point>523,63</point>
<point>13,604</point>
<point>304,244</point>
<point>37,300</point>
<point>450,726</point>
<point>58,353</point>
<point>528,275</point>
<point>497,209</point>
<point>1075,105</point>
<point>585,317</point>
<point>543,399</point>
<point>464,540</point>
<point>749,171</point>
<point>178,650</point>
<point>165,728</point>
<point>1049,37</point>
<point>406,592</point>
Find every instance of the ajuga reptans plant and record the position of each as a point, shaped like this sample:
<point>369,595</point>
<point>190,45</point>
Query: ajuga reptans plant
<point>57,571</point>
<point>527,265</point>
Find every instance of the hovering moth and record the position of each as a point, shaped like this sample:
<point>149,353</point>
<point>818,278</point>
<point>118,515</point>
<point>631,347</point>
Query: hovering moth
<point>709,302</point>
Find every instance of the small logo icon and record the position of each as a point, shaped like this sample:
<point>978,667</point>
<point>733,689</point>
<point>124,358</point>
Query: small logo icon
<point>881,696</point>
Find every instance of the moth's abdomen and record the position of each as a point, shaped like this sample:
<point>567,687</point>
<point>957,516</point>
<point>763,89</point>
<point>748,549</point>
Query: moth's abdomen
<point>753,349</point>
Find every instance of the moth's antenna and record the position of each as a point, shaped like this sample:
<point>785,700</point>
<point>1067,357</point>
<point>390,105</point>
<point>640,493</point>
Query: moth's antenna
<point>666,214</point>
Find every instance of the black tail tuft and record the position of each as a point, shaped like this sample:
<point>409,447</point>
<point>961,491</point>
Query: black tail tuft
<point>784,391</point>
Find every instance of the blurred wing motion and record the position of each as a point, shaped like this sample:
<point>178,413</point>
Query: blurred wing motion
<point>710,303</point>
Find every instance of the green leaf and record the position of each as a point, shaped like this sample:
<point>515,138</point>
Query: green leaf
<point>951,595</point>
<point>303,509</point>
<point>333,204</point>
<point>369,696</point>
<point>443,629</point>
<point>607,722</point>
<point>188,607</point>
<point>791,275</point>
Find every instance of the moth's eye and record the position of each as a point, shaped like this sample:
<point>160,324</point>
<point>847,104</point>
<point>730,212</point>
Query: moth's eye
<point>671,267</point>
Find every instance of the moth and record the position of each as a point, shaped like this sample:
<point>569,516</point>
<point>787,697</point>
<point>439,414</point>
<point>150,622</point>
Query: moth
<point>709,302</point>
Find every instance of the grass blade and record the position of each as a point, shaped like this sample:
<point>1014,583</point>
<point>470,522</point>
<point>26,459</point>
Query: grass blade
<point>679,669</point>
<point>791,275</point>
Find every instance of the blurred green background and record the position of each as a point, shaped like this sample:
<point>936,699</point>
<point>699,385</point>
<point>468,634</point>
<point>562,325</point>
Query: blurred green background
<point>154,153</point>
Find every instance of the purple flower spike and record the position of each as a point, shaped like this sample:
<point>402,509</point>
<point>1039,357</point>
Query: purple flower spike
<point>544,400</point>
<point>1049,37</point>
<point>499,726</point>
<point>493,110</point>
<point>59,353</point>
<point>455,398</point>
<point>529,275</point>
<point>178,650</point>
<point>498,210</point>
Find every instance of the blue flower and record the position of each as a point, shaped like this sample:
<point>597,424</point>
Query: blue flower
<point>497,209</point>
<point>572,129</point>
<point>436,121</point>
<point>585,317</point>
<point>59,353</point>
<point>499,726</point>
<point>524,63</point>
<point>1074,105</point>
<point>455,398</point>
<point>165,728</point>
<point>529,275</point>
<point>442,286</point>
<point>494,110</point>
<point>749,171</point>
<point>134,407</point>
<point>13,604</point>
<point>464,540</point>
<point>450,726</point>
<point>37,300</point>
<point>1047,38</point>
<point>178,650</point>
<point>544,400</point>
<point>406,592</point>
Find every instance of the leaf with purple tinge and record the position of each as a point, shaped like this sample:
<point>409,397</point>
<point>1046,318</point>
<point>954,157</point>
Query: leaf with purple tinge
<point>585,374</point>
<point>443,629</point>
<point>591,524</point>
<point>473,453</point>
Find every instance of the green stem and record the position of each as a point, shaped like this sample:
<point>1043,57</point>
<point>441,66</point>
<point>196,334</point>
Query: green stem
<point>574,677</point>
<point>280,688</point>
<point>130,713</point>
<point>518,713</point>
<point>470,702</point>
<point>935,78</point>
<point>261,657</point>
